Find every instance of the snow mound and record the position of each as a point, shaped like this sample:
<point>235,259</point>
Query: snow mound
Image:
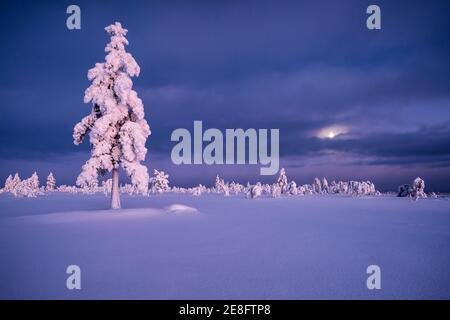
<point>88,216</point>
<point>180,208</point>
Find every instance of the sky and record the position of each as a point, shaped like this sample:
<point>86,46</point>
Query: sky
<point>309,68</point>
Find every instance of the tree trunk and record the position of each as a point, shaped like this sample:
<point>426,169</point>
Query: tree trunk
<point>115,190</point>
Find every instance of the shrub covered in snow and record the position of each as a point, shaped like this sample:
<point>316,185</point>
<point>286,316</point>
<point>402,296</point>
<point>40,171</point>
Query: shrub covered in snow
<point>116,124</point>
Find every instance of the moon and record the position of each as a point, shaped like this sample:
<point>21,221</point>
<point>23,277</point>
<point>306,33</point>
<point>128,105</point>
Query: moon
<point>331,132</point>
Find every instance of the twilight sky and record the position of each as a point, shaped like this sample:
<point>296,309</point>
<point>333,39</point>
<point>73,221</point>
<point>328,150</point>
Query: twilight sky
<point>305,67</point>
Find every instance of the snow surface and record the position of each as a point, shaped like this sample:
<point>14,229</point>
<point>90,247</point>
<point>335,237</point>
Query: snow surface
<point>230,248</point>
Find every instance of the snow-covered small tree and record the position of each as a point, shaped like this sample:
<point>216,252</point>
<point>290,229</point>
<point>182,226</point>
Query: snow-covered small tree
<point>68,189</point>
<point>236,187</point>
<point>292,188</point>
<point>418,188</point>
<point>220,186</point>
<point>275,191</point>
<point>12,183</point>
<point>266,189</point>
<point>159,182</point>
<point>282,180</point>
<point>51,182</point>
<point>34,181</point>
<point>404,190</point>
<point>127,188</point>
<point>255,191</point>
<point>16,179</point>
<point>325,187</point>
<point>8,184</point>
<point>28,187</point>
<point>197,191</point>
<point>116,126</point>
<point>317,185</point>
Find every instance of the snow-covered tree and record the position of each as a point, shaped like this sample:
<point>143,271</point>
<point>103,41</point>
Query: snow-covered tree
<point>275,191</point>
<point>236,187</point>
<point>8,184</point>
<point>266,189</point>
<point>68,189</point>
<point>127,188</point>
<point>255,191</point>
<point>282,180</point>
<point>28,187</point>
<point>34,181</point>
<point>418,188</point>
<point>11,183</point>
<point>325,187</point>
<point>16,179</point>
<point>159,182</point>
<point>221,186</point>
<point>404,190</point>
<point>116,124</point>
<point>292,188</point>
<point>51,182</point>
<point>197,191</point>
<point>317,185</point>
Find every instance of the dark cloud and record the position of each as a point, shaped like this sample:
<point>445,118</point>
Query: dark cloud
<point>295,65</point>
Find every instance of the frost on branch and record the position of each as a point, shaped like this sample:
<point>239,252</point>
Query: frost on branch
<point>116,125</point>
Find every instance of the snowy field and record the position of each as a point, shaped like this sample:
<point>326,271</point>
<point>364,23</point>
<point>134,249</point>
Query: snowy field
<point>177,246</point>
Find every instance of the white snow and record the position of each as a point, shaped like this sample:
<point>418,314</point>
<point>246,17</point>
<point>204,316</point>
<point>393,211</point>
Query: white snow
<point>291,247</point>
<point>181,208</point>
